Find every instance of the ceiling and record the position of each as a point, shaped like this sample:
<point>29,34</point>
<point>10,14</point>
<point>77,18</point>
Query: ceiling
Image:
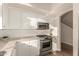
<point>53,9</point>
<point>45,6</point>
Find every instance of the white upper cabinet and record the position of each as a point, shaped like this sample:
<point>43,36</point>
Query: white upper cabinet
<point>26,20</point>
<point>11,17</point>
<point>19,17</point>
<point>14,18</point>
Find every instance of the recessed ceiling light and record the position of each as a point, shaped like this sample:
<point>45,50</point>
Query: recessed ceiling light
<point>28,4</point>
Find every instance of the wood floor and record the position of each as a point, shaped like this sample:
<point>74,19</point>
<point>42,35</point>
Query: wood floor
<point>67,50</point>
<point>61,53</point>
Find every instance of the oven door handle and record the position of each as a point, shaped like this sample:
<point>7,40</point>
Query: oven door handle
<point>44,41</point>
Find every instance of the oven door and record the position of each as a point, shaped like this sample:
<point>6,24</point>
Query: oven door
<point>46,45</point>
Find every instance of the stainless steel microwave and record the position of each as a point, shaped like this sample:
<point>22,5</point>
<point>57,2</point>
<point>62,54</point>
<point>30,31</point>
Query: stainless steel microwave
<point>42,26</point>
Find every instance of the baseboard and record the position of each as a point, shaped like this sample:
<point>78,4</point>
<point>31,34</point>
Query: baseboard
<point>67,46</point>
<point>66,43</point>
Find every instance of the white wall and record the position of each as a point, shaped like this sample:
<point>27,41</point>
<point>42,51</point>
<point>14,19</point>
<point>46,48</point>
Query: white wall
<point>75,29</point>
<point>66,34</point>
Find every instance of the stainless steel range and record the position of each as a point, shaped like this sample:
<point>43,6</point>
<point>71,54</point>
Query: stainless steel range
<point>45,44</point>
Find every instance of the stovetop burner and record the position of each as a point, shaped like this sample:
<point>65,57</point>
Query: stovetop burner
<point>42,35</point>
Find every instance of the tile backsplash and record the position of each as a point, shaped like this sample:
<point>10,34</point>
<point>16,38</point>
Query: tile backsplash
<point>22,33</point>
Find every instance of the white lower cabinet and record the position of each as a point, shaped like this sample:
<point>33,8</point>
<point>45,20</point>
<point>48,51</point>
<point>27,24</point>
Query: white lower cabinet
<point>28,48</point>
<point>22,48</point>
<point>34,47</point>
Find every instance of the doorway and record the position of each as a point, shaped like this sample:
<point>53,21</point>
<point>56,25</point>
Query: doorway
<point>67,33</point>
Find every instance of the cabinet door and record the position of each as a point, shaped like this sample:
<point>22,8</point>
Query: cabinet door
<point>5,16</point>
<point>22,48</point>
<point>29,20</point>
<point>34,47</point>
<point>14,18</point>
<point>26,22</point>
